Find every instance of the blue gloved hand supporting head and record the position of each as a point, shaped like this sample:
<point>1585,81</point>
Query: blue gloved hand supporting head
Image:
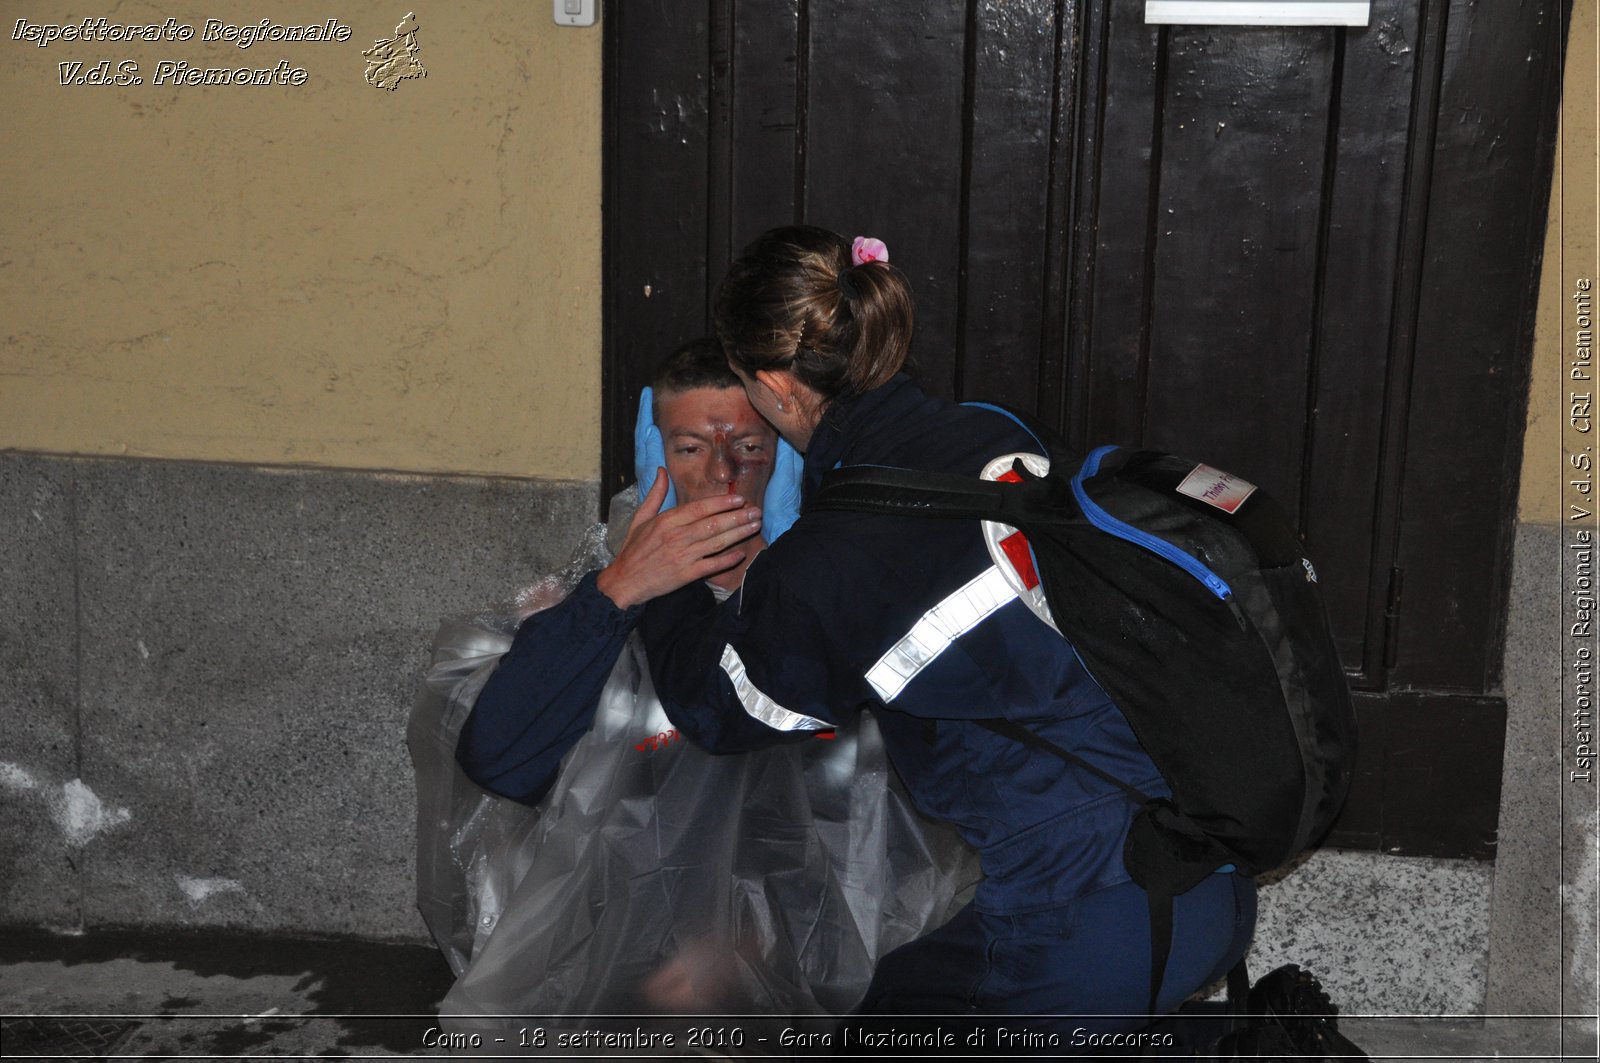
<point>781,505</point>
<point>649,450</point>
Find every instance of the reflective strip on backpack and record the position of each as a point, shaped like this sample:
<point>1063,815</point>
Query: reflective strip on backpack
<point>939,627</point>
<point>759,705</point>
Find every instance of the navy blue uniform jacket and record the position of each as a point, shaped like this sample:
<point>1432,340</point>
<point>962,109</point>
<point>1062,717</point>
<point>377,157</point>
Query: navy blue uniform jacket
<point>542,695</point>
<point>908,617</point>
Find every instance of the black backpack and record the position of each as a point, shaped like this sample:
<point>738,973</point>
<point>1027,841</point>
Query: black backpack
<point>1186,594</point>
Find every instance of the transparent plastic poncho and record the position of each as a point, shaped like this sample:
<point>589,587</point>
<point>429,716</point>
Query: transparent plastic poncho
<point>656,878</point>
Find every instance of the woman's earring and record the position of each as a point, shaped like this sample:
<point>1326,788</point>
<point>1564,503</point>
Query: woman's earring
<point>780,405</point>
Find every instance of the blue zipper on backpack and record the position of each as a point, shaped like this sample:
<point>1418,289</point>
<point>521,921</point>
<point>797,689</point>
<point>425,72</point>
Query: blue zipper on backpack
<point>1122,530</point>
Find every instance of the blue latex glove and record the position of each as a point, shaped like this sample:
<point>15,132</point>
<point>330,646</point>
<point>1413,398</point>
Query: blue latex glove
<point>650,451</point>
<point>780,506</point>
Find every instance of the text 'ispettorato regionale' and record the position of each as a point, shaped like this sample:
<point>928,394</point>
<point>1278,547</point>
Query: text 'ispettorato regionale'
<point>179,71</point>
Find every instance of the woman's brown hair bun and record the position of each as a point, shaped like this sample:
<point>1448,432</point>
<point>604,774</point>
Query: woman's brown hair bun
<point>795,300</point>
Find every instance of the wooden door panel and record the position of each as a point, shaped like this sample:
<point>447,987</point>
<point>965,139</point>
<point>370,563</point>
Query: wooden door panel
<point>1306,255</point>
<point>1005,244</point>
<point>884,118</point>
<point>1344,467</point>
<point>762,90</point>
<point>1236,248</point>
<point>1496,116</point>
<point>657,115</point>
<point>1111,381</point>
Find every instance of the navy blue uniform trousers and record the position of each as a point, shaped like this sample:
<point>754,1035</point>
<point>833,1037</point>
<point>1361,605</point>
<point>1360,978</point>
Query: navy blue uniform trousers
<point>1094,951</point>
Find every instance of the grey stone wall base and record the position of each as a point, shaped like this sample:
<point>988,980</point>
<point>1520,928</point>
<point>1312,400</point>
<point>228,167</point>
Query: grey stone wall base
<point>205,672</point>
<point>1542,935</point>
<point>39,694</point>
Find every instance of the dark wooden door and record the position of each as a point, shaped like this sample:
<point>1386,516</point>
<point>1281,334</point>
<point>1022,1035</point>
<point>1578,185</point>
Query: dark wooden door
<point>1306,255</point>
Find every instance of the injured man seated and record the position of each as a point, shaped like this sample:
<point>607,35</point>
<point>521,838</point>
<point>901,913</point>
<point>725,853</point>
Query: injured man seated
<point>575,855</point>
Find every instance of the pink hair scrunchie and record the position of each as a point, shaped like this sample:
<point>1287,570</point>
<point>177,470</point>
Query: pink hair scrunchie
<point>865,249</point>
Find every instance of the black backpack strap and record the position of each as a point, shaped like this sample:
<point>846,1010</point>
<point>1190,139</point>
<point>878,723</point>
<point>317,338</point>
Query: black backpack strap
<point>1160,905</point>
<point>1034,502</point>
<point>1238,989</point>
<point>907,492</point>
<point>1015,731</point>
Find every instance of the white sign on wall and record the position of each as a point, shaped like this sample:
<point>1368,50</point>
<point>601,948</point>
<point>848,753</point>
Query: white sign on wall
<point>1258,12</point>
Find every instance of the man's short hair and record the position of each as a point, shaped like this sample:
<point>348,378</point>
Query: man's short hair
<point>697,364</point>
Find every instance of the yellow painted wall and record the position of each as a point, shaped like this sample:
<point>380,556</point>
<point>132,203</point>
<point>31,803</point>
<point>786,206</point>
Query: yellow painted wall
<point>332,273</point>
<point>1569,254</point>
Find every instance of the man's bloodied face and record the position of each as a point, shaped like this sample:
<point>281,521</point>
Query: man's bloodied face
<point>716,443</point>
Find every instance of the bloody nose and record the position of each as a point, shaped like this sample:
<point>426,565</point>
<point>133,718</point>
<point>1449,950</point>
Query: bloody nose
<point>723,468</point>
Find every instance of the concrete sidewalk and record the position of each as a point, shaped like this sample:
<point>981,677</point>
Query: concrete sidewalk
<point>184,994</point>
<point>113,994</point>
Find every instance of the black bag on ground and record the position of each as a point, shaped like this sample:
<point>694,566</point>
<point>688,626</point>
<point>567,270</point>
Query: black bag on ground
<point>1186,593</point>
<point>1286,1015</point>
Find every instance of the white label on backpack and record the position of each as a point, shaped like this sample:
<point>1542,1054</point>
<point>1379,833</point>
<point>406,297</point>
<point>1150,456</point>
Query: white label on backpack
<point>1217,488</point>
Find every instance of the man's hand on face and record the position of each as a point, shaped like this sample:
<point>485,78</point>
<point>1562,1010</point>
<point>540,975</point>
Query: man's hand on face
<point>665,551</point>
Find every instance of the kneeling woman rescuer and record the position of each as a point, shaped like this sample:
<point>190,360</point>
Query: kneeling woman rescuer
<point>910,618</point>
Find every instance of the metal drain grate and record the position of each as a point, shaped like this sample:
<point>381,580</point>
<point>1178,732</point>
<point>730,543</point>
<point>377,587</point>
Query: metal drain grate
<point>78,1038</point>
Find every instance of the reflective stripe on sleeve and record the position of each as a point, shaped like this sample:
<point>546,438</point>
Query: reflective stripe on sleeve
<point>759,705</point>
<point>939,627</point>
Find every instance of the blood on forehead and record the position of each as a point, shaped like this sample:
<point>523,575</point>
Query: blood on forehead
<point>705,411</point>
